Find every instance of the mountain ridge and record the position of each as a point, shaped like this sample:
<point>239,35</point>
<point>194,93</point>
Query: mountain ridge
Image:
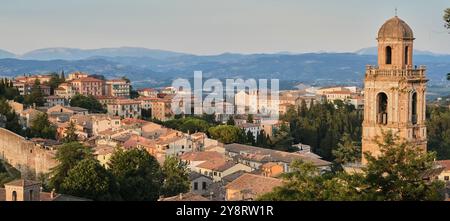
<point>66,53</point>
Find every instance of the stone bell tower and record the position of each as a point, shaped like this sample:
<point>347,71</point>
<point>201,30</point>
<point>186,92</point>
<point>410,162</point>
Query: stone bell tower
<point>394,91</point>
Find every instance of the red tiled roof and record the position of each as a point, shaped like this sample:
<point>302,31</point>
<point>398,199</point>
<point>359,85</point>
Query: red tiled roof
<point>445,164</point>
<point>202,156</point>
<point>256,184</point>
<point>87,79</point>
<point>147,89</point>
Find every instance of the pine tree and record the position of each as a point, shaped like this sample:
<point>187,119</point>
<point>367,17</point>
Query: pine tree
<point>71,135</point>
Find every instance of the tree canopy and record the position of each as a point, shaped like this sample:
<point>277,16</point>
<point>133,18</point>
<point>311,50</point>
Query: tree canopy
<point>41,127</point>
<point>88,179</point>
<point>447,18</point>
<point>396,174</point>
<point>138,174</point>
<point>71,135</point>
<point>322,125</point>
<point>438,130</point>
<point>35,97</point>
<point>88,102</point>
<point>176,177</point>
<point>225,133</point>
<point>347,151</point>
<point>68,156</point>
<point>10,117</point>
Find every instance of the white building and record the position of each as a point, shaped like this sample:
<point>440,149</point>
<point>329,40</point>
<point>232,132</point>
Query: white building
<point>125,108</point>
<point>253,128</point>
<point>117,88</point>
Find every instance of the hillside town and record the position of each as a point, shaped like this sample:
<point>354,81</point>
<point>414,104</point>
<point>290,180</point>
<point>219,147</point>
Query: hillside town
<point>61,134</point>
<point>218,171</point>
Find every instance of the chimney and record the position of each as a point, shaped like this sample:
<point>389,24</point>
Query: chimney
<point>181,196</point>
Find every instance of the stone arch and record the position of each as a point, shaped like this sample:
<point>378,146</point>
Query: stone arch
<point>382,108</point>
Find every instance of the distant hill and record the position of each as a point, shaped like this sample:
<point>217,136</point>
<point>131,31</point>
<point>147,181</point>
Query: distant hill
<point>6,54</point>
<point>78,54</point>
<point>374,51</point>
<point>147,67</point>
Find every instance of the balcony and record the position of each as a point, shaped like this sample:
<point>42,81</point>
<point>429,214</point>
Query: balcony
<point>409,72</point>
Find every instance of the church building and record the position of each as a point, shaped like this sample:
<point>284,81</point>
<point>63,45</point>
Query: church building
<point>394,91</point>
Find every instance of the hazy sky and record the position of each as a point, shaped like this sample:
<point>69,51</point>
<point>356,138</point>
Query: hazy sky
<point>216,26</point>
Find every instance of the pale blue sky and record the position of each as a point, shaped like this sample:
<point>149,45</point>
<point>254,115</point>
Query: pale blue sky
<point>215,26</point>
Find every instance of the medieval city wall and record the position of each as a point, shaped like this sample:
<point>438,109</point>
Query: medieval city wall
<point>24,155</point>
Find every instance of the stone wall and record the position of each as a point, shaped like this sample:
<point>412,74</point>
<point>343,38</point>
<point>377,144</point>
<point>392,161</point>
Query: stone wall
<point>26,156</point>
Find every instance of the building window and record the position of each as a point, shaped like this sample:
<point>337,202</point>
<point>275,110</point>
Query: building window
<point>203,185</point>
<point>388,55</point>
<point>195,186</point>
<point>14,196</point>
<point>382,102</point>
<point>414,108</point>
<point>446,178</point>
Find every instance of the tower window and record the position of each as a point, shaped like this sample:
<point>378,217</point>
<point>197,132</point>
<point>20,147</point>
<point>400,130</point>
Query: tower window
<point>414,108</point>
<point>382,102</point>
<point>388,55</point>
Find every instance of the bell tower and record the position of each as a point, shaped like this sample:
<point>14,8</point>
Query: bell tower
<point>394,91</point>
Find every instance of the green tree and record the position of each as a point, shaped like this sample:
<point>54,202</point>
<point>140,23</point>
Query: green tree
<point>176,177</point>
<point>88,102</point>
<point>68,155</point>
<point>282,139</point>
<point>55,81</point>
<point>323,124</point>
<point>12,119</point>
<point>36,96</point>
<point>193,125</point>
<point>225,133</point>
<point>41,127</point>
<point>138,174</point>
<point>250,118</point>
<point>397,174</point>
<point>347,151</point>
<point>7,173</point>
<point>447,18</point>
<point>438,131</point>
<point>88,179</point>
<point>305,183</point>
<point>231,121</point>
<point>71,135</point>
<point>250,139</point>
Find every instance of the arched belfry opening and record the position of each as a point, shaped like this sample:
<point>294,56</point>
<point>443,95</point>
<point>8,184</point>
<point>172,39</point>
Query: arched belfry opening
<point>388,55</point>
<point>414,108</point>
<point>406,55</point>
<point>382,102</point>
